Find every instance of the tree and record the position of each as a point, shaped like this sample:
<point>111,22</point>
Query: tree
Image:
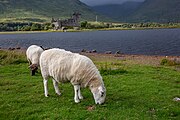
<point>84,24</point>
<point>35,27</point>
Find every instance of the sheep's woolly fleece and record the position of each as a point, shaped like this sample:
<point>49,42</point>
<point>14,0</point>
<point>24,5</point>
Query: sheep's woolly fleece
<point>66,66</point>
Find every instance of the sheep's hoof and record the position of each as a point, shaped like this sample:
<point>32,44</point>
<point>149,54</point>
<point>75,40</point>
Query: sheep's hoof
<point>59,94</point>
<point>47,95</point>
<point>80,97</point>
<point>77,101</point>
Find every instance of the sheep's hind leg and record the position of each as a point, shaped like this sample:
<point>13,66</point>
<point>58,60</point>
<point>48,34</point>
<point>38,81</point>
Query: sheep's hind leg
<point>55,83</point>
<point>45,81</point>
<point>76,91</point>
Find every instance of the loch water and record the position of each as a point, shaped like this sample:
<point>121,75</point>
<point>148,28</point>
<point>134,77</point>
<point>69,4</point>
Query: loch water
<point>146,42</point>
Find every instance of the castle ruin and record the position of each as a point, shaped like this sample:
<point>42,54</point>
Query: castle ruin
<point>71,22</point>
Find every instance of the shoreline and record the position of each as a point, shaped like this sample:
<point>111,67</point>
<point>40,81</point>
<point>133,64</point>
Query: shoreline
<point>18,48</point>
<point>153,60</point>
<point>83,30</point>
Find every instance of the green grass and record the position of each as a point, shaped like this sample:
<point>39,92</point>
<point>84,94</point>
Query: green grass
<point>134,92</point>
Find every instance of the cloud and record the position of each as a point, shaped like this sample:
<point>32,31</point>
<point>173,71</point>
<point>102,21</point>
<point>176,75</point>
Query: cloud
<point>102,2</point>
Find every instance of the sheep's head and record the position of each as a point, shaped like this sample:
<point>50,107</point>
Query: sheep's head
<point>33,68</point>
<point>99,94</point>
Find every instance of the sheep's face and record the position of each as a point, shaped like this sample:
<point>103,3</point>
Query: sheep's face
<point>33,68</point>
<point>99,94</point>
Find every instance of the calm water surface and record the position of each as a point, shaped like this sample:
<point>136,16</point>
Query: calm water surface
<point>147,42</point>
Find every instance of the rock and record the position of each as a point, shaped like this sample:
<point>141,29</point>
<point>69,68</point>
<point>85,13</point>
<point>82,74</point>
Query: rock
<point>176,99</point>
<point>118,52</point>
<point>11,48</point>
<point>88,51</point>
<point>177,60</point>
<point>83,50</point>
<point>94,51</point>
<point>18,48</point>
<point>108,52</point>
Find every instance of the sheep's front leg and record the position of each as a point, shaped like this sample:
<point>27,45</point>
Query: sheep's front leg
<point>76,90</point>
<point>55,83</point>
<point>45,81</point>
<point>79,93</point>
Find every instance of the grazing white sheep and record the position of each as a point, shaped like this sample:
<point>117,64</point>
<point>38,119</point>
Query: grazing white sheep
<point>65,66</point>
<point>33,54</point>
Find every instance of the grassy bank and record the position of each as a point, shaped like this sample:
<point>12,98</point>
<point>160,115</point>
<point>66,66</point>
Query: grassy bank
<point>134,91</point>
<point>18,27</point>
<point>81,30</point>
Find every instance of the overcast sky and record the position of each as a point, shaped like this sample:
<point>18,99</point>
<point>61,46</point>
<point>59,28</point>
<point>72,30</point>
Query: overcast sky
<point>101,2</point>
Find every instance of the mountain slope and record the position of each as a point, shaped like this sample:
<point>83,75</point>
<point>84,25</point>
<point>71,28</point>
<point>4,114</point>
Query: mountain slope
<point>43,10</point>
<point>117,11</point>
<point>157,11</point>
<point>147,11</point>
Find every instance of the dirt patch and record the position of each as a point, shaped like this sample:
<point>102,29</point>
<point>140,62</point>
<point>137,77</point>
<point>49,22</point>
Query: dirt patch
<point>90,108</point>
<point>134,59</point>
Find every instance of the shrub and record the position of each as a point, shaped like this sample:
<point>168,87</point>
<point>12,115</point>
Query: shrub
<point>84,24</point>
<point>164,61</point>
<point>106,70</point>
<point>26,28</point>
<point>168,62</point>
<point>35,27</point>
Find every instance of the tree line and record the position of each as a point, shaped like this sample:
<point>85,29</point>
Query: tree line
<point>84,25</point>
<point>101,25</point>
<point>25,26</point>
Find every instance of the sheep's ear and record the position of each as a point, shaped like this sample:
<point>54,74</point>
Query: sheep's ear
<point>30,66</point>
<point>33,66</point>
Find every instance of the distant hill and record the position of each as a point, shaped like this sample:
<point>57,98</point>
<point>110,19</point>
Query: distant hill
<point>157,11</point>
<point>117,11</point>
<point>44,10</point>
<point>147,11</point>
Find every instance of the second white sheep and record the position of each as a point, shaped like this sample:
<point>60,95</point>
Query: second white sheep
<point>33,54</point>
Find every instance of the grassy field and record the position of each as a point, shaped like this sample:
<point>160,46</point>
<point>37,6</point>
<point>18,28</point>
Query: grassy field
<point>134,92</point>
